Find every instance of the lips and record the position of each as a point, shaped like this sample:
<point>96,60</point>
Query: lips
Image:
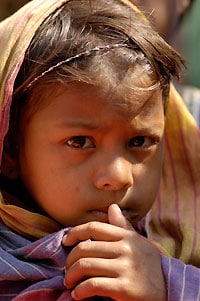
<point>102,215</point>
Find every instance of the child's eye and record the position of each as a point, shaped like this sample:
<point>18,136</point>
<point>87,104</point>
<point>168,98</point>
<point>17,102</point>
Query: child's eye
<point>141,142</point>
<point>80,142</point>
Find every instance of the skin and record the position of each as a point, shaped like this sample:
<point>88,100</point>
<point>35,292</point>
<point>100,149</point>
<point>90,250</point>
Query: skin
<point>113,260</point>
<point>85,159</point>
<point>92,152</point>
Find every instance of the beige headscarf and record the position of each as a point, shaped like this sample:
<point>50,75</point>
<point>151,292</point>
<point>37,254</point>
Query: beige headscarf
<point>174,219</point>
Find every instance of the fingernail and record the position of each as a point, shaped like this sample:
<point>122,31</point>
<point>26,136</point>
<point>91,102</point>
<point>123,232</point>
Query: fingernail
<point>64,239</point>
<point>73,295</point>
<point>64,277</point>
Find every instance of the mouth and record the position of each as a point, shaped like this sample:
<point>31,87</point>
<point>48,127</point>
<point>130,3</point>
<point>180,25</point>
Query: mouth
<point>101,215</point>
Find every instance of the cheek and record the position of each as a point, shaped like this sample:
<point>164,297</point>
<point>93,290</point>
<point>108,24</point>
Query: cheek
<point>157,165</point>
<point>150,182</point>
<point>157,170</point>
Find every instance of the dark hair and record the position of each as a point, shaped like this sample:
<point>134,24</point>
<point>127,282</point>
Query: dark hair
<point>81,25</point>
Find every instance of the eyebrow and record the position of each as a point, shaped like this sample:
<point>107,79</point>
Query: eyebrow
<point>79,123</point>
<point>87,125</point>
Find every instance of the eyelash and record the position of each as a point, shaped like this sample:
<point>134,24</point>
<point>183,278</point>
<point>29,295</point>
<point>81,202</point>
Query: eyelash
<point>143,141</point>
<point>77,141</point>
<point>85,142</point>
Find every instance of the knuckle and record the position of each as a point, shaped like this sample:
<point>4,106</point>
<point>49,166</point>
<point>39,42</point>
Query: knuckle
<point>124,285</point>
<point>67,281</point>
<point>88,288</point>
<point>81,247</point>
<point>83,264</point>
<point>84,246</point>
<point>125,265</point>
<point>92,226</point>
<point>126,248</point>
<point>93,284</point>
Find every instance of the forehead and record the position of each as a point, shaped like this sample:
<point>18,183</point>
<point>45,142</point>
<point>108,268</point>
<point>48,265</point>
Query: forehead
<point>136,85</point>
<point>83,101</point>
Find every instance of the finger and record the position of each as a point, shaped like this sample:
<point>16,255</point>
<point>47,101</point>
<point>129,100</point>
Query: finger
<point>89,267</point>
<point>99,286</point>
<point>92,249</point>
<point>116,217</point>
<point>94,231</point>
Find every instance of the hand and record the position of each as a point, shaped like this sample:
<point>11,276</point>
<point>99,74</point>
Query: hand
<point>113,260</point>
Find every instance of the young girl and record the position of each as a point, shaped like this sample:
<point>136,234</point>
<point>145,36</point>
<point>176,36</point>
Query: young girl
<point>82,151</point>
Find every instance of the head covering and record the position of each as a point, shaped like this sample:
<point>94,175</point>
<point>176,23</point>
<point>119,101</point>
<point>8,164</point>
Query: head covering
<point>16,32</point>
<point>174,218</point>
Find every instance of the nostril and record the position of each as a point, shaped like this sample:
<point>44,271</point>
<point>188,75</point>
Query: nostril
<point>115,176</point>
<point>109,187</point>
<point>116,186</point>
<point>127,185</point>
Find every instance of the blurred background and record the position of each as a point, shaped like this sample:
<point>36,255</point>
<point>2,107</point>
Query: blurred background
<point>7,7</point>
<point>190,37</point>
<point>188,44</point>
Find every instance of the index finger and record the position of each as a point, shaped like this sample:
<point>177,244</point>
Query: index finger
<point>95,231</point>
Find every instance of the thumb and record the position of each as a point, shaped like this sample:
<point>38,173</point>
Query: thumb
<point>116,217</point>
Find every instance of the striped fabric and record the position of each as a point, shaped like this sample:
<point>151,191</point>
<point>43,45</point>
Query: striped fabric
<point>191,97</point>
<point>183,281</point>
<point>173,220</point>
<point>34,270</point>
<point>175,216</point>
<point>30,270</point>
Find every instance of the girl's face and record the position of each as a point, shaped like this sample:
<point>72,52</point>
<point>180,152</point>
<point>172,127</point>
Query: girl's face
<point>81,152</point>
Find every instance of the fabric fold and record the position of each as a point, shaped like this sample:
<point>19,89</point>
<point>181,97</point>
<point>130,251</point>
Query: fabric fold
<point>32,257</point>
<point>32,269</point>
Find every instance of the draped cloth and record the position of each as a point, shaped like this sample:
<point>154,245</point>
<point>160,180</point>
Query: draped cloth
<point>31,270</point>
<point>173,220</point>
<point>175,216</point>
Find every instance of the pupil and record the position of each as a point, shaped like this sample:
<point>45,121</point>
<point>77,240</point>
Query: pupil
<point>78,142</point>
<point>137,141</point>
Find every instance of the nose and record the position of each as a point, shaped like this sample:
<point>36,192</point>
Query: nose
<point>114,175</point>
